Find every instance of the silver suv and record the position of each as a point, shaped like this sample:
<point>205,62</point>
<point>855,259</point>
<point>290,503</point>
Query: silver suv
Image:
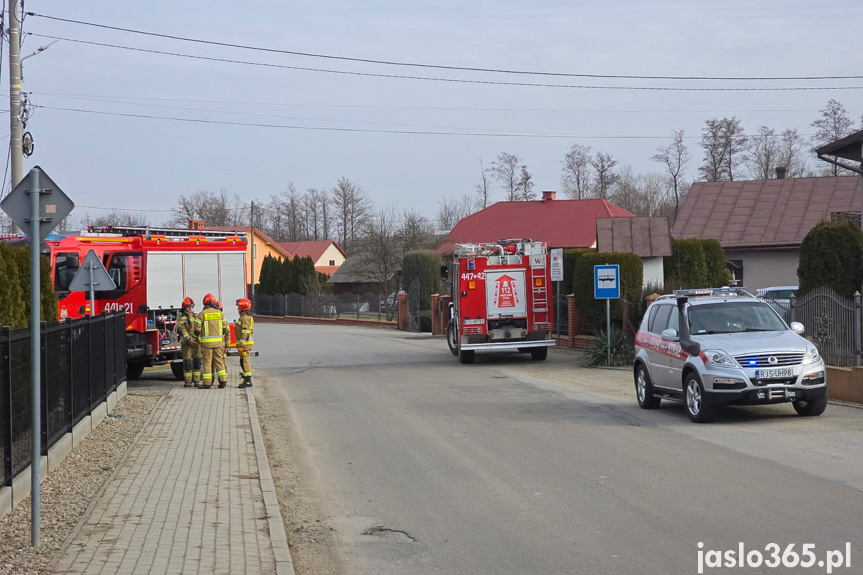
<point>724,346</point>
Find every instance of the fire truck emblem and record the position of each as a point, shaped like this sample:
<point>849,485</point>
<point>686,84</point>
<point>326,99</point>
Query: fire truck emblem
<point>505,294</point>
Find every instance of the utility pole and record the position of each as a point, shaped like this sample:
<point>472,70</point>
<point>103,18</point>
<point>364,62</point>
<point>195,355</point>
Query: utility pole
<point>16,152</point>
<point>252,227</point>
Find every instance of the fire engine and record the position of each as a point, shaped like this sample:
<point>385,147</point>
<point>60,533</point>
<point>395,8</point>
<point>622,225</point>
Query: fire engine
<point>153,270</point>
<point>501,299</point>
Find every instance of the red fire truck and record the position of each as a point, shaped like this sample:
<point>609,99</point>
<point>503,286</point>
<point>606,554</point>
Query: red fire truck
<point>153,269</point>
<point>501,299</point>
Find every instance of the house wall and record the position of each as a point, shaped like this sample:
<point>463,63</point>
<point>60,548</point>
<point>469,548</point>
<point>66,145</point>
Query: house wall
<point>332,253</point>
<point>653,271</point>
<point>766,267</point>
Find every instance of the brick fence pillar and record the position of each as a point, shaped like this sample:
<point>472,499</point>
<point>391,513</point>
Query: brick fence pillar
<point>403,311</point>
<point>573,318</point>
<point>435,314</point>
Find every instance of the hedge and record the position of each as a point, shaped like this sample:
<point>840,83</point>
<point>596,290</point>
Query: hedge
<point>15,288</point>
<point>696,263</point>
<point>423,267</point>
<point>831,255</point>
<point>590,309</point>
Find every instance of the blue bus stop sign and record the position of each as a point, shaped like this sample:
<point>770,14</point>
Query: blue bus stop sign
<point>606,282</point>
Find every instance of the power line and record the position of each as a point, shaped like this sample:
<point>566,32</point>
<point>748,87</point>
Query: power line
<point>438,66</point>
<point>112,97</point>
<point>449,80</point>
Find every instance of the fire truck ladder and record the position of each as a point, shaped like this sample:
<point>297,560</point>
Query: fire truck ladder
<point>168,232</point>
<point>540,295</point>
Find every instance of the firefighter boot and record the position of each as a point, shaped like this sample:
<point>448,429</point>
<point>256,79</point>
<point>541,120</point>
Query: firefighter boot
<point>247,382</point>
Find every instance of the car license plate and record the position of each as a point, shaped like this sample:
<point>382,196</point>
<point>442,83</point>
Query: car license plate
<point>773,373</point>
<point>473,322</point>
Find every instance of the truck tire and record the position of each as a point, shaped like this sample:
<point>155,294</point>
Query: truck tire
<point>177,370</point>
<point>539,353</point>
<point>465,356</point>
<point>451,338</point>
<point>135,370</point>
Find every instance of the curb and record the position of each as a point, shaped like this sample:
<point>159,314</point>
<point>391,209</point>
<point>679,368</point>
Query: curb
<point>278,537</point>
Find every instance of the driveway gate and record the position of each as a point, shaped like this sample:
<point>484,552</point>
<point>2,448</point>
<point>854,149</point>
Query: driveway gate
<point>833,322</point>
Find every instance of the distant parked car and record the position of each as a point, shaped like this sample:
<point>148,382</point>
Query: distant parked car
<point>778,297</point>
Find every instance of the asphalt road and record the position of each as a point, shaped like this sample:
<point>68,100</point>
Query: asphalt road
<point>514,467</point>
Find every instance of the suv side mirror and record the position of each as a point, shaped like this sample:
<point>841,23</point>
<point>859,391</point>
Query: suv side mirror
<point>797,327</point>
<point>669,335</point>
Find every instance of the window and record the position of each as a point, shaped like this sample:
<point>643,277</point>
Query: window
<point>125,270</point>
<point>65,267</point>
<point>661,319</point>
<point>332,262</point>
<point>733,317</point>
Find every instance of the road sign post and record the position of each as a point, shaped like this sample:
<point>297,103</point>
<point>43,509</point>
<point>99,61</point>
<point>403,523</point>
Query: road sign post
<point>606,285</point>
<point>34,201</point>
<point>557,277</point>
<point>92,276</point>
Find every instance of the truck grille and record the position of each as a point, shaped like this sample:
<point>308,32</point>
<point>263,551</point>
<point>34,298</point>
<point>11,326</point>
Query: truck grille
<point>763,360</point>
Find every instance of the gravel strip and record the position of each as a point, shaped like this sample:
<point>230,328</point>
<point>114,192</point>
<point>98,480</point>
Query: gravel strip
<point>68,490</point>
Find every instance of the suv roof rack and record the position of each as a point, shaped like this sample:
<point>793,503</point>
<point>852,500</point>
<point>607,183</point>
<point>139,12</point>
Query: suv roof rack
<point>708,292</point>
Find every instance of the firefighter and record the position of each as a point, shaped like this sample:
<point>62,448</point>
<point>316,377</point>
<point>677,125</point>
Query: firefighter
<point>211,329</point>
<point>189,344</point>
<point>244,329</point>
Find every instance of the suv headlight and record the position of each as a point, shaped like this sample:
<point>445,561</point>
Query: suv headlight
<point>811,356</point>
<point>718,358</point>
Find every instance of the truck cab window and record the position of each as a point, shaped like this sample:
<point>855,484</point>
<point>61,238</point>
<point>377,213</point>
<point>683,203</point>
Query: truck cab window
<point>65,267</point>
<point>125,270</point>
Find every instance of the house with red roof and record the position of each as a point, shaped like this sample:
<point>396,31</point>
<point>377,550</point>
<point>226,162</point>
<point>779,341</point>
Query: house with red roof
<point>761,223</point>
<point>558,223</point>
<point>327,255</point>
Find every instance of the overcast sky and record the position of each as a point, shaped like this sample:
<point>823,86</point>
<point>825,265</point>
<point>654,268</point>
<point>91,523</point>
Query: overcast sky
<point>145,164</point>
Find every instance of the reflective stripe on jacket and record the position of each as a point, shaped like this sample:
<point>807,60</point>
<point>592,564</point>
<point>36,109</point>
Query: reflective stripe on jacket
<point>211,327</point>
<point>244,329</point>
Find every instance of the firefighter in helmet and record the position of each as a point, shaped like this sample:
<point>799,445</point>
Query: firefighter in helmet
<point>244,329</point>
<point>211,329</point>
<point>189,344</point>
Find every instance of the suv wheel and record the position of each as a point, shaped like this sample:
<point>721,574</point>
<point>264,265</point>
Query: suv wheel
<point>693,396</point>
<point>644,390</point>
<point>810,407</point>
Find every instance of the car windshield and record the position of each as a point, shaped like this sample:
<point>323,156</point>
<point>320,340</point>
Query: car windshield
<point>733,317</point>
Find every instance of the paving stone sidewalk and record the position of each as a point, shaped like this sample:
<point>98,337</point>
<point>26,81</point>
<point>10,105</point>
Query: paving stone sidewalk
<point>192,496</point>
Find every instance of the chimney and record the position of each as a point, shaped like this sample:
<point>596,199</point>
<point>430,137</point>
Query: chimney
<point>197,225</point>
<point>549,196</point>
<point>780,172</point>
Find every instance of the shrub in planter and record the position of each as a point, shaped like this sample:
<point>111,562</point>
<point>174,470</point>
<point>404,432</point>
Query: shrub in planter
<point>597,352</point>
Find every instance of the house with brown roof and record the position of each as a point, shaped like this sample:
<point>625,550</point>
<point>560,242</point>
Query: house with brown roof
<point>648,237</point>
<point>558,223</point>
<point>327,255</point>
<point>761,223</point>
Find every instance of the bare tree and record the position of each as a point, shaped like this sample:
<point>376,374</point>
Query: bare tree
<point>506,170</point>
<point>834,124</point>
<point>483,188</point>
<point>724,142</point>
<point>577,172</point>
<point>312,207</point>
<point>416,232</point>
<point>763,155</point>
<point>325,209</point>
<point>657,195</point>
<point>793,154</point>
<point>604,178</point>
<point>381,250</point>
<point>452,211</point>
<point>526,185</point>
<point>352,208</point>
<point>675,156</point>
<point>215,209</point>
<point>626,191</point>
<point>294,209</point>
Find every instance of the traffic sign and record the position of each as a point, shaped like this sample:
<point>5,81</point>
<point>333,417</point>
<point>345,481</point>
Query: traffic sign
<point>54,205</point>
<point>92,274</point>
<point>606,282</point>
<point>557,265</point>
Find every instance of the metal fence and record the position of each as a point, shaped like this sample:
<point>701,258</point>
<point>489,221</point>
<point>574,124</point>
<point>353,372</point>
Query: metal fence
<point>347,305</point>
<point>833,322</point>
<point>83,360</point>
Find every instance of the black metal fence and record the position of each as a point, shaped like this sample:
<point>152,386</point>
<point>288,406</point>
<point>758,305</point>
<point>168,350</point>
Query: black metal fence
<point>83,360</point>
<point>347,305</point>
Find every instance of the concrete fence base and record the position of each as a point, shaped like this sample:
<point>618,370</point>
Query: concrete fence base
<point>845,384</point>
